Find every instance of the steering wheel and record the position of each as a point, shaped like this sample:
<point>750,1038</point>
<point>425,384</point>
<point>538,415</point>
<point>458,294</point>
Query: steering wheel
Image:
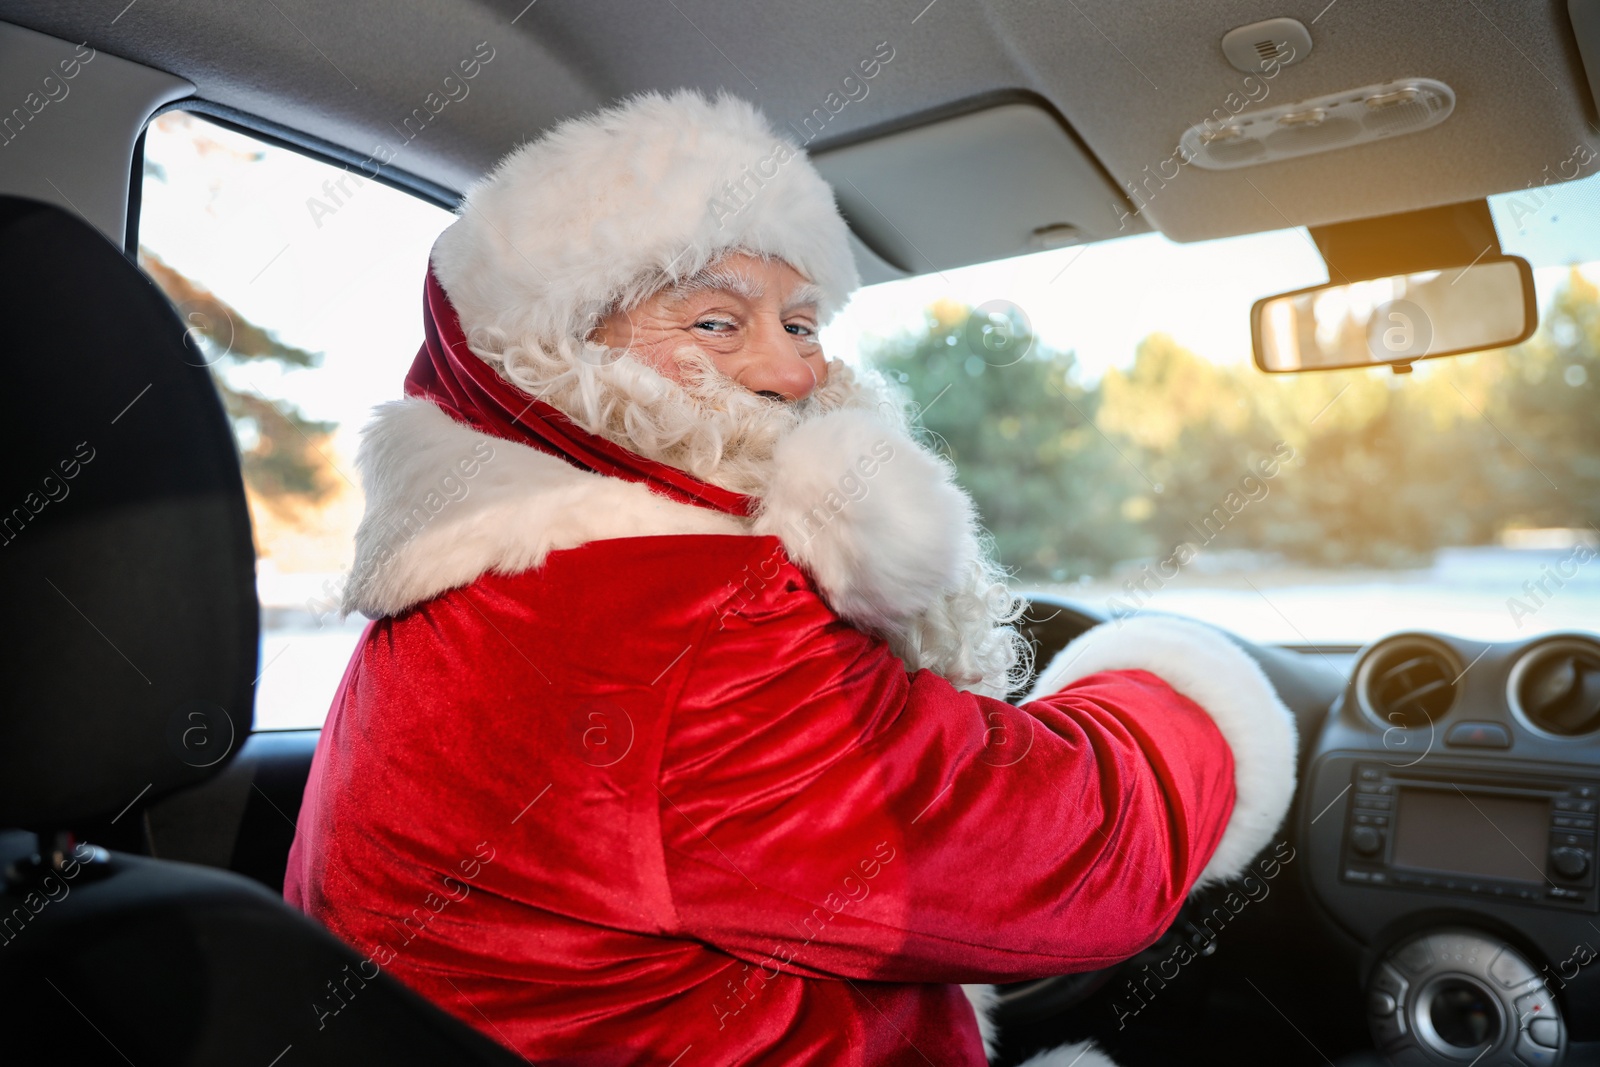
<point>1050,625</point>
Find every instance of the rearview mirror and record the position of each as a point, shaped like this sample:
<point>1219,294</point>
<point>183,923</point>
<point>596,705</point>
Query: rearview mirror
<point>1396,320</point>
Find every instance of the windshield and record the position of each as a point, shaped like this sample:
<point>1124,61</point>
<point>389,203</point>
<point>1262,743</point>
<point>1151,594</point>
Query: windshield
<point>1100,404</point>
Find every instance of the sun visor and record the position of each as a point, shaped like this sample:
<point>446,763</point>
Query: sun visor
<point>1001,181</point>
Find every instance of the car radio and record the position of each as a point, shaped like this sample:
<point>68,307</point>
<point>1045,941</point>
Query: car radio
<point>1525,839</point>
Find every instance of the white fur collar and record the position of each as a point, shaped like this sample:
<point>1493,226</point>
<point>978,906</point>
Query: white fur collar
<point>446,503</point>
<point>873,517</point>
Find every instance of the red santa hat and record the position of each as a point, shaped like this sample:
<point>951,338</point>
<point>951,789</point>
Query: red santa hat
<point>606,209</point>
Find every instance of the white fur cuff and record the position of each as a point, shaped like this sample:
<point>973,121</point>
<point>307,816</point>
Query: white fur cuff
<point>1209,669</point>
<point>1081,1054</point>
<point>984,998</point>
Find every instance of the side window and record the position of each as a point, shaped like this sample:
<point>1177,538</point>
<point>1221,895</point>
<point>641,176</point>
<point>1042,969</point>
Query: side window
<point>302,283</point>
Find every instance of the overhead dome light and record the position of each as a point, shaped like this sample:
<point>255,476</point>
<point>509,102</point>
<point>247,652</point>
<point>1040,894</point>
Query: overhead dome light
<point>1321,124</point>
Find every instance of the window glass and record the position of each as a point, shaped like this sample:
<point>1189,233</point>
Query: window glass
<point>302,282</point>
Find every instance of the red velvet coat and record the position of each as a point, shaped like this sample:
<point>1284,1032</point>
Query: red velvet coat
<point>603,820</point>
<point>625,799</point>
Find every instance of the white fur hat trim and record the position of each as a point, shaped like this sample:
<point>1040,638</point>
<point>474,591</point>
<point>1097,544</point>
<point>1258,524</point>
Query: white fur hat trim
<point>605,209</point>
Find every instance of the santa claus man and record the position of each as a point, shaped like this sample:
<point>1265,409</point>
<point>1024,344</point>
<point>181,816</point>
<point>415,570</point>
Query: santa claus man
<point>682,721</point>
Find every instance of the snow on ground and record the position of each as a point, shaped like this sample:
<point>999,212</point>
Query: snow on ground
<point>305,647</point>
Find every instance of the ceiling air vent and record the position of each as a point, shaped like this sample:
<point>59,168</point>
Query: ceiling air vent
<point>1555,687</point>
<point>1408,682</point>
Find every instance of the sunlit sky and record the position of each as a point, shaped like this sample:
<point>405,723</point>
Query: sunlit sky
<point>345,277</point>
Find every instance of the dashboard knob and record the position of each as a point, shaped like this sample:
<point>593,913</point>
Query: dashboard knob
<point>1570,862</point>
<point>1369,841</point>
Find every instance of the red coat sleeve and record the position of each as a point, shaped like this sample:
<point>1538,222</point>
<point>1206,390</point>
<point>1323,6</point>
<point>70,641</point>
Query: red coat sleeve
<point>825,813</point>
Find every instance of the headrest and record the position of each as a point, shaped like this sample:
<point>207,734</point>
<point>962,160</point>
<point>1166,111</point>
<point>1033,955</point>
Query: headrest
<point>126,563</point>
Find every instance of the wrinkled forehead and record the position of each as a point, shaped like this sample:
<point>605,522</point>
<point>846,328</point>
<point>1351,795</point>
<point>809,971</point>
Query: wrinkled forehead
<point>743,277</point>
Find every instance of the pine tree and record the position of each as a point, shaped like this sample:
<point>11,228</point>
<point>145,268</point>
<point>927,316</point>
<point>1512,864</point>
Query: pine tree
<point>279,447</point>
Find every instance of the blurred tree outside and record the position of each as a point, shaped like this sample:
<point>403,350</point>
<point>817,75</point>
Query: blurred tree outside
<point>280,448</point>
<point>1024,439</point>
<point>1073,478</point>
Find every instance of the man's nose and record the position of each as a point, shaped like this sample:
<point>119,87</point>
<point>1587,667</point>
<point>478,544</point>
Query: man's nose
<point>773,364</point>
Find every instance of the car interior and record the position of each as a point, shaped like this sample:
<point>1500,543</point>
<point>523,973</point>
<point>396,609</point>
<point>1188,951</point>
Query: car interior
<point>1434,897</point>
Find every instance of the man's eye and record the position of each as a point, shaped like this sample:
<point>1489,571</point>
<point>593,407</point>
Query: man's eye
<point>800,329</point>
<point>713,325</point>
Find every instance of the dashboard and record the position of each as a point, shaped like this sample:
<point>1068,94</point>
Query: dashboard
<point>1448,816</point>
<point>1446,909</point>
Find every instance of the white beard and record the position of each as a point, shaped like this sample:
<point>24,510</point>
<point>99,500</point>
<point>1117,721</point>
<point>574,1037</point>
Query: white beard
<point>708,425</point>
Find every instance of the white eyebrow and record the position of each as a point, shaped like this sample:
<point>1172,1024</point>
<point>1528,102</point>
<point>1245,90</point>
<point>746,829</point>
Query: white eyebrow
<point>725,278</point>
<point>807,295</point>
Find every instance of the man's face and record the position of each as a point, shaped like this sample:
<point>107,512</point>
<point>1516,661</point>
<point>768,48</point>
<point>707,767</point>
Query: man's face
<point>755,320</point>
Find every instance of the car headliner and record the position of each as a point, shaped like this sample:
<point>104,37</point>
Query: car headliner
<point>1125,76</point>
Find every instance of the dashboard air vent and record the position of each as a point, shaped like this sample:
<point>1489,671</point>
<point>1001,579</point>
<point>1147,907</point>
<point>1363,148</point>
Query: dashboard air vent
<point>1556,687</point>
<point>1408,682</point>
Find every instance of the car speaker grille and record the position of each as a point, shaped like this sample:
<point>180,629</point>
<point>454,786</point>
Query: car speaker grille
<point>1409,683</point>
